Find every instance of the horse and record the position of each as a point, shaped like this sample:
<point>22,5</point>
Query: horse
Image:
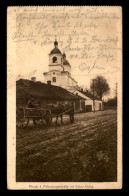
<point>61,109</point>
<point>70,111</point>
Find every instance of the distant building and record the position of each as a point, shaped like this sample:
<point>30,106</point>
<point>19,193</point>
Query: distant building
<point>91,102</point>
<point>59,73</point>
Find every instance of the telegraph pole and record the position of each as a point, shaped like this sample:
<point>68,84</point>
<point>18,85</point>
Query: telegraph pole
<point>93,97</point>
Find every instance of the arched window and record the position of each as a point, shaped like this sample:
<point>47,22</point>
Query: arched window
<point>54,59</point>
<point>54,79</point>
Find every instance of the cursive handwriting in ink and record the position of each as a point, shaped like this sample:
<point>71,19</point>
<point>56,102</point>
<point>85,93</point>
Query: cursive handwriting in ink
<point>89,68</point>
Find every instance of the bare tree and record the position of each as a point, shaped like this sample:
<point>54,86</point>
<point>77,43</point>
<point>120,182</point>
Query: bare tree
<point>115,91</point>
<point>100,87</point>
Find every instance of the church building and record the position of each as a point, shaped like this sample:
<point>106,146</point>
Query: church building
<point>59,73</point>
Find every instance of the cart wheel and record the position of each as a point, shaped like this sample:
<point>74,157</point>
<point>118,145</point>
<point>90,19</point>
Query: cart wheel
<point>40,122</point>
<point>21,122</point>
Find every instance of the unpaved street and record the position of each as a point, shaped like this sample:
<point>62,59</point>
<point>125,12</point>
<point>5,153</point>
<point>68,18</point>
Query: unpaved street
<point>82,151</point>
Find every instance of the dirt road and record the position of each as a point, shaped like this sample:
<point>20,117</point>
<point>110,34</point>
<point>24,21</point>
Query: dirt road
<point>84,151</point>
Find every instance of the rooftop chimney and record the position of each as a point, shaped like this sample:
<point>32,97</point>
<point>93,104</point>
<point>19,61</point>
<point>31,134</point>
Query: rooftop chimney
<point>49,82</point>
<point>33,79</point>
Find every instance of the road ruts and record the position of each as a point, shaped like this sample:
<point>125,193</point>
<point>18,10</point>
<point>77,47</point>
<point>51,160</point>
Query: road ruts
<point>63,152</point>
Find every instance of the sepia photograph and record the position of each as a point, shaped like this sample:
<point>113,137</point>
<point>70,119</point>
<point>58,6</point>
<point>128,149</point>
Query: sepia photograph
<point>64,97</point>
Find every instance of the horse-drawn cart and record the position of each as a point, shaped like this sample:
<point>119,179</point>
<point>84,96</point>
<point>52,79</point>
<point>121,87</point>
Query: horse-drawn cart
<point>40,116</point>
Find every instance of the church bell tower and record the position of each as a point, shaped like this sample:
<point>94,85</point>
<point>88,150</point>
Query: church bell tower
<point>59,73</point>
<point>55,58</point>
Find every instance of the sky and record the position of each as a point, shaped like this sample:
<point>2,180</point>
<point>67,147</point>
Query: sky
<point>90,37</point>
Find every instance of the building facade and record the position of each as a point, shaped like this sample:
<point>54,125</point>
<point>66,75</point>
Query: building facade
<point>59,73</point>
<point>91,102</point>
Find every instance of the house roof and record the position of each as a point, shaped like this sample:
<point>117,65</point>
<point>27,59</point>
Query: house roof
<point>38,89</point>
<point>91,96</point>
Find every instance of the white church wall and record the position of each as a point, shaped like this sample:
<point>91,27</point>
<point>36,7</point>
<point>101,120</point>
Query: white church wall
<point>57,75</point>
<point>55,67</point>
<point>47,78</point>
<point>67,68</point>
<point>50,75</point>
<point>64,80</point>
<point>73,82</point>
<point>69,82</point>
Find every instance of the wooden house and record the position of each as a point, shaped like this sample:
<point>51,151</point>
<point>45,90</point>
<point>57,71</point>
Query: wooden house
<point>46,93</point>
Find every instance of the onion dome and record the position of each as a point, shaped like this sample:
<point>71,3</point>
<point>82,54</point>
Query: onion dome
<point>65,62</point>
<point>64,56</point>
<point>55,50</point>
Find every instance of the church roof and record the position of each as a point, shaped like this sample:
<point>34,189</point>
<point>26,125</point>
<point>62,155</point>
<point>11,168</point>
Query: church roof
<point>55,51</point>
<point>65,62</point>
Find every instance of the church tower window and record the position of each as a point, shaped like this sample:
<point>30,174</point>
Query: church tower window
<point>54,59</point>
<point>54,79</point>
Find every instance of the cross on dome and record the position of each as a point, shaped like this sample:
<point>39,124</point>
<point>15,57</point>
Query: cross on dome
<point>56,50</point>
<point>55,43</point>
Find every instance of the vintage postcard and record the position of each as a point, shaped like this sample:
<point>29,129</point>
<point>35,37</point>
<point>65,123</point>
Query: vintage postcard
<point>64,97</point>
